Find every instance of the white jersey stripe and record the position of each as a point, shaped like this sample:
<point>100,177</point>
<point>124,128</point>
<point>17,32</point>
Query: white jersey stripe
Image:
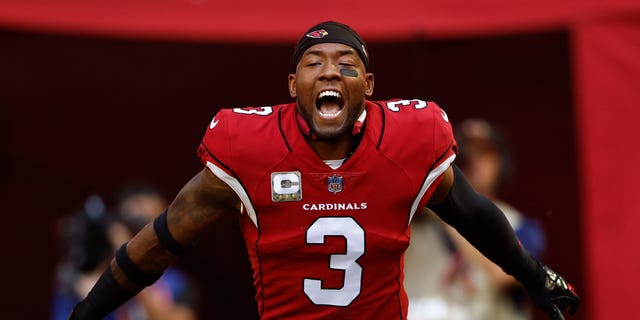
<point>431,177</point>
<point>237,187</point>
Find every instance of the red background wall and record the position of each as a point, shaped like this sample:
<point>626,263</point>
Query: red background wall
<point>127,92</point>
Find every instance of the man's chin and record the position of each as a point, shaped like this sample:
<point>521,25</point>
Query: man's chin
<point>330,134</point>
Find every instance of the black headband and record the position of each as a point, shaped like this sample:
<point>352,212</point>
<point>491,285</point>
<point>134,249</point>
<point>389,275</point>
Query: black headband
<point>331,32</point>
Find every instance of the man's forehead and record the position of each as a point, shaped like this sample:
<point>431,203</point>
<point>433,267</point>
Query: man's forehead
<point>339,48</point>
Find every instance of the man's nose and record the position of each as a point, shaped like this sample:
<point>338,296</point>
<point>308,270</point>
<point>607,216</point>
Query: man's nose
<point>330,71</point>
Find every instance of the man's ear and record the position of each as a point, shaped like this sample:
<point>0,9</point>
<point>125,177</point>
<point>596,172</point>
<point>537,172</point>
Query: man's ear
<point>292,85</point>
<point>369,84</point>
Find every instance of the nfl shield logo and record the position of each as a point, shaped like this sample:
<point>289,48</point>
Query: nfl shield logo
<point>335,184</point>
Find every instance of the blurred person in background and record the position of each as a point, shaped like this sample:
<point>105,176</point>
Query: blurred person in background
<point>465,284</point>
<point>173,296</point>
<point>485,159</point>
<point>87,249</point>
<point>91,236</point>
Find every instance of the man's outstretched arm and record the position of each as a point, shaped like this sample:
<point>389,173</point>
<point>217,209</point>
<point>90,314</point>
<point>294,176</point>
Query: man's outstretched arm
<point>478,220</point>
<point>141,261</point>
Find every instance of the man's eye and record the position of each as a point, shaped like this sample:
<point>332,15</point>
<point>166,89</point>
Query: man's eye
<point>311,64</point>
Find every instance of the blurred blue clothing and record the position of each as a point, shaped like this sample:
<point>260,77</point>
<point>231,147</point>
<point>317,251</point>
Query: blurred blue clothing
<point>173,282</point>
<point>532,236</point>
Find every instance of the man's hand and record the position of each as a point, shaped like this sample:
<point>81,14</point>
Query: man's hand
<point>553,294</point>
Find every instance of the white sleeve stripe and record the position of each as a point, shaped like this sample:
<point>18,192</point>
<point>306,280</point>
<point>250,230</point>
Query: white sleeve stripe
<point>237,187</point>
<point>431,177</point>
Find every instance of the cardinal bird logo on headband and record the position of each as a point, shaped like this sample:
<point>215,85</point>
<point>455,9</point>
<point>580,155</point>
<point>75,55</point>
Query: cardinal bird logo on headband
<point>317,34</point>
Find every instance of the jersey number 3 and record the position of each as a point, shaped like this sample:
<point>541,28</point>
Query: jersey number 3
<point>353,233</point>
<point>415,103</point>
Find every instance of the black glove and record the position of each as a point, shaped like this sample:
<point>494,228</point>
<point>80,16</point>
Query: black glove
<point>553,294</point>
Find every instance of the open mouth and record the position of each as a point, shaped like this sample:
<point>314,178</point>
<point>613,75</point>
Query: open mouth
<point>329,104</point>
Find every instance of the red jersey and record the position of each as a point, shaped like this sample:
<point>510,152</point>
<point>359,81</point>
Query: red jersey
<point>325,243</point>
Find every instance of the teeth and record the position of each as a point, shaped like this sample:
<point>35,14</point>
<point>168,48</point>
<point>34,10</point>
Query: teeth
<point>329,93</point>
<point>329,114</point>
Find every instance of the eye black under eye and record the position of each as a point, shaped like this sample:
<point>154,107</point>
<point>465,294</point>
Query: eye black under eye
<point>350,72</point>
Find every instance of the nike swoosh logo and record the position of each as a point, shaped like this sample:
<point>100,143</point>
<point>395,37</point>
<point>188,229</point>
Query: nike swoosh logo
<point>214,122</point>
<point>444,116</point>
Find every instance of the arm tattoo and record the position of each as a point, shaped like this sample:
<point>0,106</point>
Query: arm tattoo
<point>199,204</point>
